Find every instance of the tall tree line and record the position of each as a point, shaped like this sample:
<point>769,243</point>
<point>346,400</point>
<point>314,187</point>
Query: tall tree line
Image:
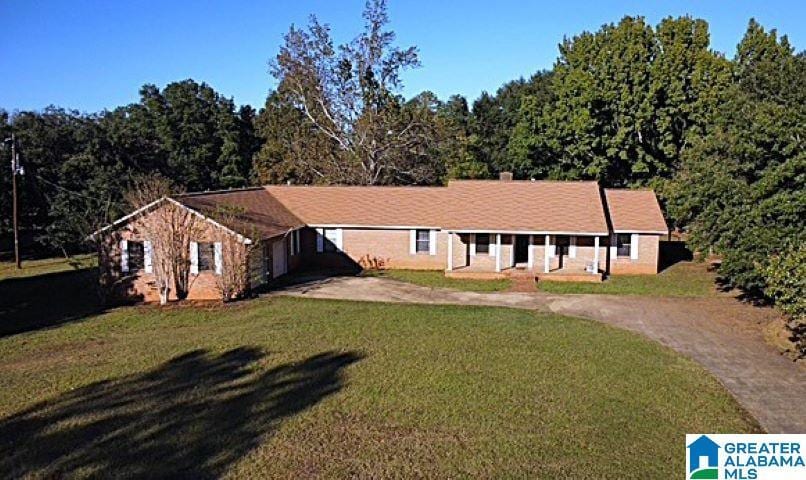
<point>77,166</point>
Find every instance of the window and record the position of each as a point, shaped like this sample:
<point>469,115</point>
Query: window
<point>331,239</point>
<point>623,245</point>
<point>206,256</point>
<point>482,243</point>
<point>136,252</point>
<point>585,242</point>
<point>423,241</point>
<point>295,245</point>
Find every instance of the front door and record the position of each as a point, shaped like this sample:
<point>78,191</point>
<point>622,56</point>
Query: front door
<point>521,248</point>
<point>278,258</point>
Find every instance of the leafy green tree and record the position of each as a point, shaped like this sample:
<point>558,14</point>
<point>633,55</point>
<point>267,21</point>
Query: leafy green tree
<point>740,190</point>
<point>627,100</point>
<point>458,145</point>
<point>494,118</point>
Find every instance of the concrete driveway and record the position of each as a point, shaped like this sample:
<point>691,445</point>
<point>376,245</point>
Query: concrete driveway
<point>719,333</point>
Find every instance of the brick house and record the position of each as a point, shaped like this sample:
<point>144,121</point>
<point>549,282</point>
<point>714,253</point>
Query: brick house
<point>470,228</point>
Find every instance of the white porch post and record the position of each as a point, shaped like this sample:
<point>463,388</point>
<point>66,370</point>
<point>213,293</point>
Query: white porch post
<point>498,252</point>
<point>450,251</point>
<point>546,256</point>
<point>595,255</point>
<point>530,253</point>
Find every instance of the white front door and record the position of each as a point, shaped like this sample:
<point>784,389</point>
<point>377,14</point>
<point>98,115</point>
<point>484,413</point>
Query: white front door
<point>278,258</point>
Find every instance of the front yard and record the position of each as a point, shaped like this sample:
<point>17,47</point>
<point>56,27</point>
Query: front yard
<point>437,279</point>
<point>312,388</point>
<point>683,279</point>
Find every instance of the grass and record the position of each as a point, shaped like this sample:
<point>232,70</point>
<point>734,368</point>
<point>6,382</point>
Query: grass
<point>684,279</point>
<point>284,387</point>
<point>437,279</point>
<point>32,268</point>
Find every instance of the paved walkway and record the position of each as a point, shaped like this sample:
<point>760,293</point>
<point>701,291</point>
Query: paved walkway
<point>719,333</point>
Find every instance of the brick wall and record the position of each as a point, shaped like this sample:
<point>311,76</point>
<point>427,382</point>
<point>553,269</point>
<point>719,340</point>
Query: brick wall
<point>374,248</point>
<point>142,286</point>
<point>647,261</point>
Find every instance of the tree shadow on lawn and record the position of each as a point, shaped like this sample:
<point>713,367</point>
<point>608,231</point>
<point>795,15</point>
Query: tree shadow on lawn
<point>191,417</point>
<point>48,300</point>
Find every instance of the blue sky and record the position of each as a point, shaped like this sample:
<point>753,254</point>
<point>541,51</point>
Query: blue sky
<point>91,55</point>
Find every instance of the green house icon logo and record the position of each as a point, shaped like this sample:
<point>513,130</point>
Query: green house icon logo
<point>703,459</point>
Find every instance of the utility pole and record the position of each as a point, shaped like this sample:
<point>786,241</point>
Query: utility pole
<point>16,169</point>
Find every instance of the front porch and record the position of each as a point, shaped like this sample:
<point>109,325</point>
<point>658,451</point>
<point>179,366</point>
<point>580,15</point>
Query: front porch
<point>549,257</point>
<point>556,275</point>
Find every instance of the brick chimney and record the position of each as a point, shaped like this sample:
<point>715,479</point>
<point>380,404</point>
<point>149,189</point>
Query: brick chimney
<point>505,176</point>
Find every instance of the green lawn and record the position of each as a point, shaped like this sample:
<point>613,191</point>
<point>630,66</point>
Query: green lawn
<point>684,279</point>
<point>291,388</point>
<point>48,265</point>
<point>437,279</point>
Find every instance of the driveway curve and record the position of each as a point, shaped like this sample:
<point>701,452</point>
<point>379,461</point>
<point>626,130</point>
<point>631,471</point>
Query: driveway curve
<point>718,333</point>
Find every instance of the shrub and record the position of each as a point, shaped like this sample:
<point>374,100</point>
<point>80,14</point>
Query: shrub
<point>786,284</point>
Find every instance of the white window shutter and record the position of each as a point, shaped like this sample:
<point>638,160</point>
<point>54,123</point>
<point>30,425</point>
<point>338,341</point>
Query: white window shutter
<point>472,244</point>
<point>572,248</point>
<point>320,240</point>
<point>634,246</point>
<point>219,259</point>
<point>194,258</point>
<point>340,239</point>
<point>613,246</point>
<point>124,256</point>
<point>147,253</point>
<point>432,242</point>
<point>412,242</point>
<point>491,249</point>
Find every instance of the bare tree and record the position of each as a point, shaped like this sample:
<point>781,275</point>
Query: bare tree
<point>169,227</point>
<point>350,95</point>
<point>232,280</point>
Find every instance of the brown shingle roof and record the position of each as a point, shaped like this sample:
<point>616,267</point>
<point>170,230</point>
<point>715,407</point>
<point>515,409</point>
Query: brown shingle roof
<point>540,206</point>
<point>635,211</point>
<point>364,206</point>
<point>255,209</point>
<point>463,205</point>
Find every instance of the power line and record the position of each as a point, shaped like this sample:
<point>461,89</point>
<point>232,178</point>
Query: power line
<point>77,194</point>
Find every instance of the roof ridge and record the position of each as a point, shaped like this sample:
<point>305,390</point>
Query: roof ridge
<point>628,189</point>
<point>216,192</point>
<point>504,182</point>
<point>407,187</point>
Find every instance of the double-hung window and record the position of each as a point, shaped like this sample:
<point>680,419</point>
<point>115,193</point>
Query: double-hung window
<point>482,243</point>
<point>136,253</point>
<point>423,241</point>
<point>206,256</point>
<point>623,244</point>
<point>295,243</point>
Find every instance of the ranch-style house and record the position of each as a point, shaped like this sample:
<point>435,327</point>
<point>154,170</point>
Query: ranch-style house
<point>552,230</point>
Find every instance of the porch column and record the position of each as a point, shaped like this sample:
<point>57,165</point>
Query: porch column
<point>595,255</point>
<point>450,251</point>
<point>498,252</point>
<point>530,254</point>
<point>546,256</point>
